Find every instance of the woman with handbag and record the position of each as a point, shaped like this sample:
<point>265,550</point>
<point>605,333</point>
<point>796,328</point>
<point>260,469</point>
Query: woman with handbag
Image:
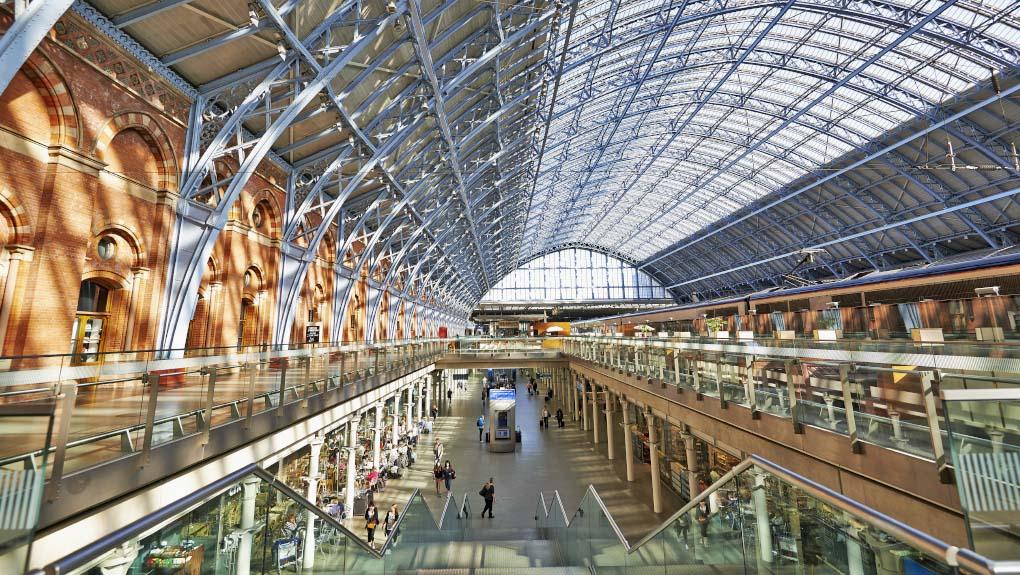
<point>371,522</point>
<point>391,519</point>
<point>438,474</point>
<point>448,476</point>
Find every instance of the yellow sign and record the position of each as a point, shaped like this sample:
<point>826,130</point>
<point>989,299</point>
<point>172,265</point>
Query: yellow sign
<point>901,371</point>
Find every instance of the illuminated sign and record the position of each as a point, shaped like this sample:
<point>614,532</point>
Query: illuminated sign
<point>502,394</point>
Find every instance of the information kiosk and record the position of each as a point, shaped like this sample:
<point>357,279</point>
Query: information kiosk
<point>500,420</point>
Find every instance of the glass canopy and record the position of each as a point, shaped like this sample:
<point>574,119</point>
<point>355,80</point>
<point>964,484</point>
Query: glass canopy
<point>575,274</point>
<point>673,115</point>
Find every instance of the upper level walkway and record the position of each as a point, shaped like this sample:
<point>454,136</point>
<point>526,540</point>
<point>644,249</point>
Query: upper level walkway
<point>122,421</point>
<point>865,418</point>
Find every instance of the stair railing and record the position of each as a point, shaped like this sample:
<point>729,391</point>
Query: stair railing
<point>662,544</point>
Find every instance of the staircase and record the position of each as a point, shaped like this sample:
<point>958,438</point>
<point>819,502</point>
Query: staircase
<point>766,519</point>
<point>485,551</point>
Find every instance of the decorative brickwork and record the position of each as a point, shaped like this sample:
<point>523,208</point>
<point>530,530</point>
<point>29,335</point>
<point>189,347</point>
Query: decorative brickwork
<point>63,116</point>
<point>152,133</point>
<point>81,38</point>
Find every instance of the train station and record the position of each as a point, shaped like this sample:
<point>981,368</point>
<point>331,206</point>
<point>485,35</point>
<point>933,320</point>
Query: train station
<point>509,287</point>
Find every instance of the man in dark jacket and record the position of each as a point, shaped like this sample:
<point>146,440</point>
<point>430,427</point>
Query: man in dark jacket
<point>488,493</point>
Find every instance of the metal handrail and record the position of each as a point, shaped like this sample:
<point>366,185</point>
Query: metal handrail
<point>934,547</point>
<point>53,373</point>
<point>97,548</point>
<point>141,426</point>
<point>256,348</point>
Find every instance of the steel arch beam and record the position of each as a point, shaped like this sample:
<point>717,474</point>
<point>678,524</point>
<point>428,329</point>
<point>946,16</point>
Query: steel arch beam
<point>860,162</point>
<point>30,26</point>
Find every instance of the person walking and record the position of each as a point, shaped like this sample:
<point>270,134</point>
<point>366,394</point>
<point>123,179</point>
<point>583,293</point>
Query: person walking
<point>448,476</point>
<point>371,522</point>
<point>391,519</point>
<point>437,451</point>
<point>481,426</point>
<point>559,416</point>
<point>701,515</point>
<point>449,397</point>
<point>488,493</point>
<point>545,417</point>
<point>683,527</point>
<point>437,474</point>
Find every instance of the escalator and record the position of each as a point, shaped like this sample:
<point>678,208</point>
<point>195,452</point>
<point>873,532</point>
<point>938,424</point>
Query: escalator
<point>759,518</point>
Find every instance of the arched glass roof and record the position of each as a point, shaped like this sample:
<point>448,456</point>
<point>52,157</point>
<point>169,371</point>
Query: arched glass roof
<point>435,145</point>
<point>575,274</point>
<point>673,115</point>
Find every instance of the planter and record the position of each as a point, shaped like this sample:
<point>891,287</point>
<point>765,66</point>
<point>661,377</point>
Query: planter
<point>745,334</point>
<point>684,334</point>
<point>989,334</point>
<point>786,334</point>
<point>721,334</point>
<point>826,335</point>
<point>662,334</point>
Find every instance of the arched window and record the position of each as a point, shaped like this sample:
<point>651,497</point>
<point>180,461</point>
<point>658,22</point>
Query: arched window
<point>576,275</point>
<point>89,322</point>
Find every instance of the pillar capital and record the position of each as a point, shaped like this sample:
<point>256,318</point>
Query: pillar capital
<point>20,252</point>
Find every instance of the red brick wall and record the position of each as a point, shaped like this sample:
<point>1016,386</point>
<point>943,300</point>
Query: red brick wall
<point>90,151</point>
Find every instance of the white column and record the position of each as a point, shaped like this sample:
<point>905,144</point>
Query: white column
<point>352,471</point>
<point>761,518</point>
<point>610,448</point>
<point>628,448</point>
<point>428,397</point>
<point>692,464</point>
<point>308,557</point>
<point>17,253</point>
<point>595,415</point>
<point>396,416</point>
<point>854,554</point>
<point>137,279</point>
<point>573,397</point>
<point>408,412</point>
<point>250,488</point>
<point>377,441</point>
<point>653,454</point>
<point>584,405</point>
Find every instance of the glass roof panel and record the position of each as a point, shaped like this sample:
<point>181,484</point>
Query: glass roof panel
<point>711,125</point>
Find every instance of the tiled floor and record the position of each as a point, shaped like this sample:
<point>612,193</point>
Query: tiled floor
<point>556,459</point>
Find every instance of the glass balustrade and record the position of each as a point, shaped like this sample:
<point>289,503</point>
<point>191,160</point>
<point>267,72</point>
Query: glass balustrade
<point>251,523</point>
<point>130,402</point>
<point>983,415</point>
<point>893,405</point>
<point>758,519</point>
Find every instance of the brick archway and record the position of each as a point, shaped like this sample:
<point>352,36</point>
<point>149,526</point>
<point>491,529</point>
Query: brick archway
<point>152,133</point>
<point>63,114</point>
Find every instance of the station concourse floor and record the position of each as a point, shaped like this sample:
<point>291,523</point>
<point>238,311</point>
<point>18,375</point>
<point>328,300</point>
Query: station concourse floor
<point>546,460</point>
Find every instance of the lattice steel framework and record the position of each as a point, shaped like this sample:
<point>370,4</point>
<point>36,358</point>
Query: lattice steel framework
<point>432,146</point>
<point>715,140</point>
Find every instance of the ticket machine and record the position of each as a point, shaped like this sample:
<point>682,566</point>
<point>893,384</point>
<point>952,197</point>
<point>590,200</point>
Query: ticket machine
<point>500,420</point>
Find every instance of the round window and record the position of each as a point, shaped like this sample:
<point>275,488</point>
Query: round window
<point>258,217</point>
<point>107,248</point>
